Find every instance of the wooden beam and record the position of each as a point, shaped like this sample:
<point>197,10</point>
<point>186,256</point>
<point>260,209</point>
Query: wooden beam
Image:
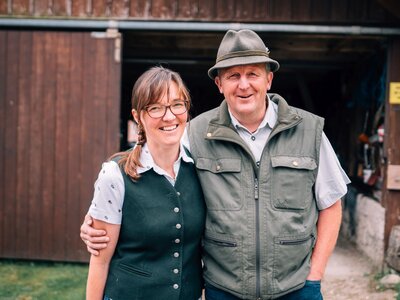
<point>390,197</point>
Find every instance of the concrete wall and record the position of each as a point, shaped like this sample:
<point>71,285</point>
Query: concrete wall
<point>363,223</point>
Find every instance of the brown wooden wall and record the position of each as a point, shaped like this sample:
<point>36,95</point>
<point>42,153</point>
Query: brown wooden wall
<point>288,11</point>
<point>59,119</point>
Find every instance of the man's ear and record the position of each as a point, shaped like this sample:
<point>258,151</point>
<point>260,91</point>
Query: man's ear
<point>270,76</point>
<point>217,81</point>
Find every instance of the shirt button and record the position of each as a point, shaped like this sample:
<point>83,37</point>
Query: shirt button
<point>295,163</point>
<point>176,271</point>
<point>178,226</point>
<point>178,193</point>
<point>209,134</point>
<point>176,254</point>
<point>253,138</point>
<point>176,209</point>
<point>177,241</point>
<point>176,286</point>
<point>218,167</point>
<point>258,164</point>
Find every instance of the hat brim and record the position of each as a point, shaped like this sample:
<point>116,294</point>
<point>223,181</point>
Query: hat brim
<point>239,61</point>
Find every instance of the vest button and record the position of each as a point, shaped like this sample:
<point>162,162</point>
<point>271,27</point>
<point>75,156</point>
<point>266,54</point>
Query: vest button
<point>209,134</point>
<point>218,167</point>
<point>176,254</point>
<point>177,241</point>
<point>176,286</point>
<point>178,226</point>
<point>176,209</point>
<point>295,163</point>
<point>176,271</point>
<point>178,193</point>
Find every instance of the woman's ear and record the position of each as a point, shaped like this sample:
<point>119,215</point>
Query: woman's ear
<point>135,116</point>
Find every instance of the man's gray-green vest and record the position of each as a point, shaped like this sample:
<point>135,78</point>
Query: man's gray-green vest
<point>261,216</point>
<point>158,251</point>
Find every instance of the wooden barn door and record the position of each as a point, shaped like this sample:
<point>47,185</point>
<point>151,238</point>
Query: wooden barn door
<point>59,120</point>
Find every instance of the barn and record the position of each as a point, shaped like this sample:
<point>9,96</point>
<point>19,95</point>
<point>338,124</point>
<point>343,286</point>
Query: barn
<point>67,68</point>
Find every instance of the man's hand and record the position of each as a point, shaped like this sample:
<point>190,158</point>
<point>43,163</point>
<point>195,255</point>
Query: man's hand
<point>94,239</point>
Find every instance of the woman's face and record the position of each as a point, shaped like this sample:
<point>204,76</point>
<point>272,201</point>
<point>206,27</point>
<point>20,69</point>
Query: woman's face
<point>165,131</point>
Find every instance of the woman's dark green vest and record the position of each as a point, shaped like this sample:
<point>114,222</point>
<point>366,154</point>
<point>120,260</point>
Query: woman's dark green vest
<point>158,251</point>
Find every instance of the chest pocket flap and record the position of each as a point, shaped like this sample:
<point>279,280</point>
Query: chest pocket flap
<point>294,162</point>
<point>221,165</point>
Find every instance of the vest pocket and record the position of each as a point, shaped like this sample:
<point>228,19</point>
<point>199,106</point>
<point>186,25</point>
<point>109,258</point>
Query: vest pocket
<point>223,260</point>
<point>134,270</point>
<point>292,182</point>
<point>291,261</point>
<point>215,176</point>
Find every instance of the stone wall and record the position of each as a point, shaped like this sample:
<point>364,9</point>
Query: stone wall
<point>363,223</point>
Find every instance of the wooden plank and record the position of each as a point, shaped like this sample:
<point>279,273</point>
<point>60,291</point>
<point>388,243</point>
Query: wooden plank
<point>261,10</point>
<point>3,7</point>
<point>301,10</point>
<point>79,8</point>
<point>206,9</point>
<point>23,145</point>
<point>62,127</point>
<point>281,10</point>
<point>120,8</point>
<point>59,8</point>
<point>339,10</point>
<point>244,10</point>
<point>113,104</point>
<point>49,85</point>
<point>10,143</point>
<point>357,10</point>
<point>188,9</point>
<point>140,9</point>
<point>164,9</point>
<point>75,249</point>
<point>320,11</point>
<point>40,7</point>
<point>20,7</point>
<point>99,8</point>
<point>35,151</point>
<point>3,74</point>
<point>392,132</point>
<point>224,10</point>
<point>98,103</point>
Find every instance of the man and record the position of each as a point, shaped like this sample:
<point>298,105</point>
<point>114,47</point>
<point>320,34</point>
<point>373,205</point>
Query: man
<point>271,182</point>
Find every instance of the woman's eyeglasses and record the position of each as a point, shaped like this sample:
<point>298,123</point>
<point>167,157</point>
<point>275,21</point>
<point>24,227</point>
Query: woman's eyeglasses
<point>157,111</point>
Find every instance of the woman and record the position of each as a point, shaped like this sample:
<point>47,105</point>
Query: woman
<point>150,203</point>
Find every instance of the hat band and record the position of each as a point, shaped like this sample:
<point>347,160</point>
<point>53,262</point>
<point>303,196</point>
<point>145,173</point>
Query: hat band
<point>241,54</point>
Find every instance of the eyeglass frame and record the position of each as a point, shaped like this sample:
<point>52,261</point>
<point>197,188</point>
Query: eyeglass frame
<point>185,103</point>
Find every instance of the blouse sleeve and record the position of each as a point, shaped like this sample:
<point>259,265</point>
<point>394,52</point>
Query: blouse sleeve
<point>109,192</point>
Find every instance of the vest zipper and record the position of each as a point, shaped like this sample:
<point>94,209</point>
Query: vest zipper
<point>258,271</point>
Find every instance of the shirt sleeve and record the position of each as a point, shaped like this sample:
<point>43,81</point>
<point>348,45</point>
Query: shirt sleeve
<point>109,192</point>
<point>331,182</point>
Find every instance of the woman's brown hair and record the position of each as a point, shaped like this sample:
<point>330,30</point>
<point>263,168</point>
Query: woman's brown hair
<point>150,87</point>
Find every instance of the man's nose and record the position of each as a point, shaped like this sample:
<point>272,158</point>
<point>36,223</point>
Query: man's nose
<point>243,83</point>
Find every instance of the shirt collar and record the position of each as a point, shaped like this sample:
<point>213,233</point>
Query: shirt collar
<point>270,117</point>
<point>146,160</point>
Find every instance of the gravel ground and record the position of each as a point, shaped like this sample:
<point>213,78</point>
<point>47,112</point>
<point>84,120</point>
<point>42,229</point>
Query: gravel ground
<point>349,276</point>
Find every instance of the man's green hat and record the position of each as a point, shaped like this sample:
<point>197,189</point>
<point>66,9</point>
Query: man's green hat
<point>241,47</point>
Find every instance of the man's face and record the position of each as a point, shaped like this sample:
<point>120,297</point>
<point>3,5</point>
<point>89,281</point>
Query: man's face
<point>245,88</point>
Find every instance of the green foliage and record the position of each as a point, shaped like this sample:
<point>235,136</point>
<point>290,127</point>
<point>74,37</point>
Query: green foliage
<point>23,280</point>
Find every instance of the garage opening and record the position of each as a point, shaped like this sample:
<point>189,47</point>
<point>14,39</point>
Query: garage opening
<point>339,77</point>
